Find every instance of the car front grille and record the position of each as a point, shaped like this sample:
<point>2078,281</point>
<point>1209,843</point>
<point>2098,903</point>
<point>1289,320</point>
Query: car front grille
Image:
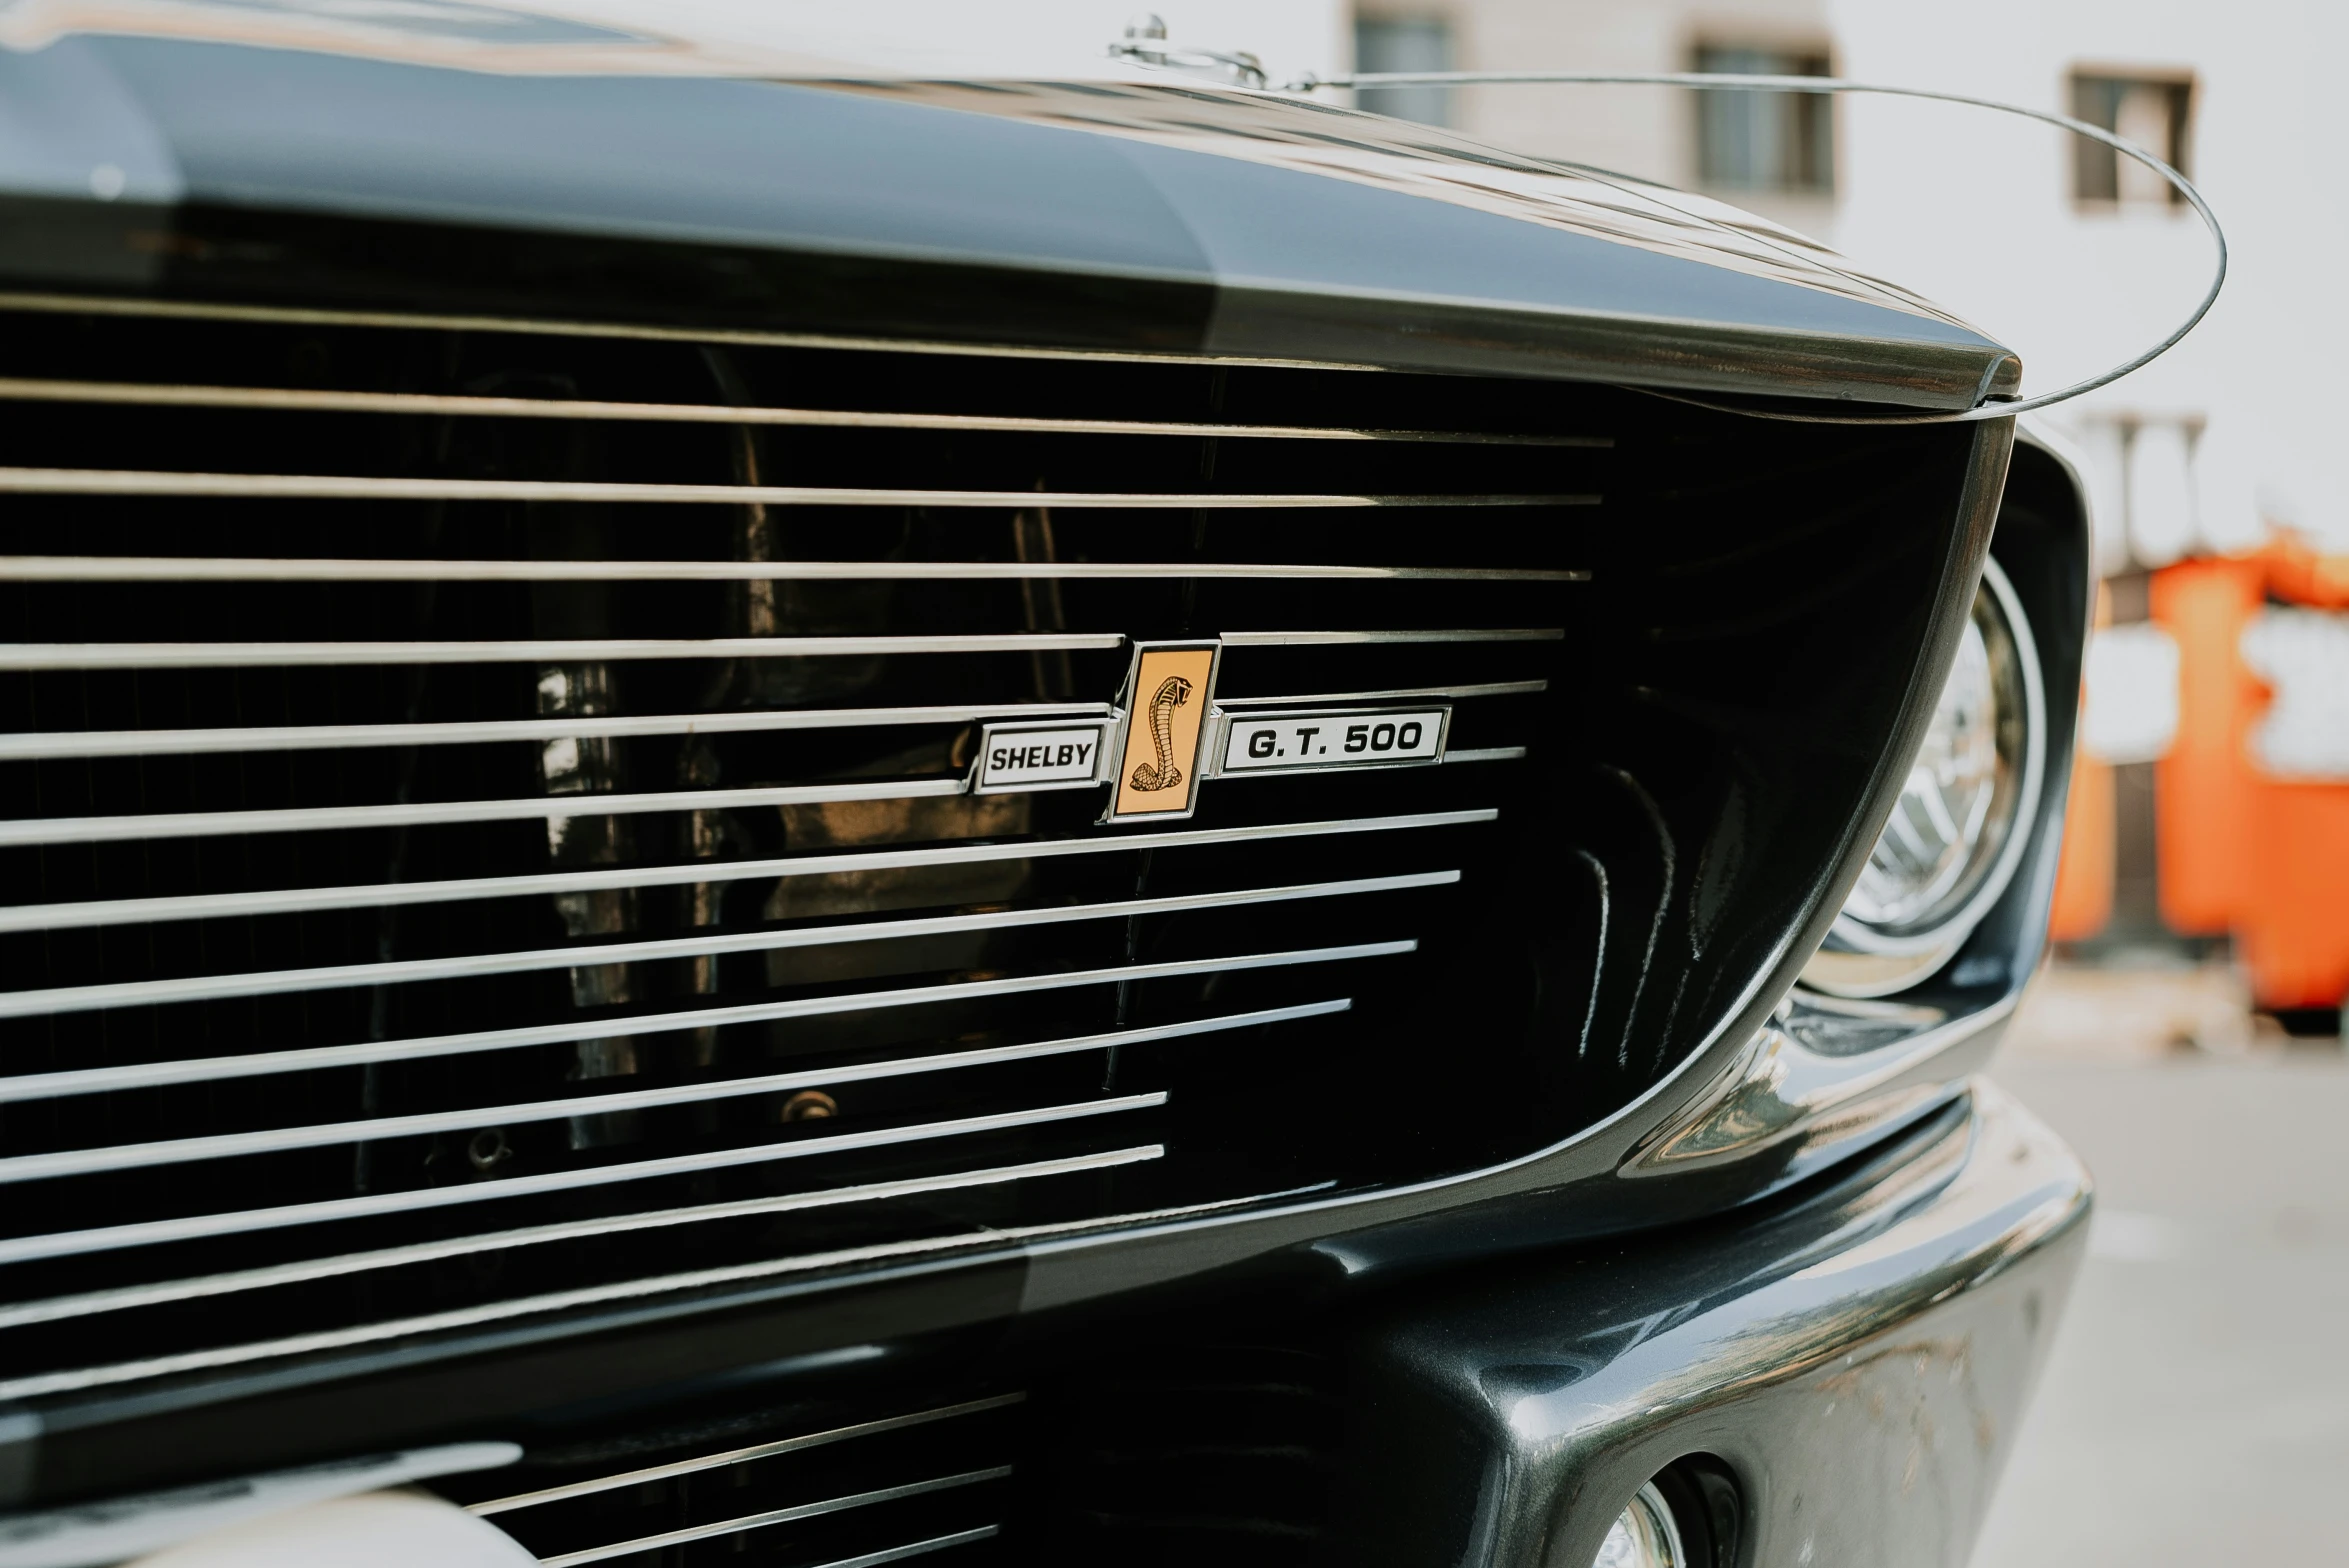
<point>486,828</point>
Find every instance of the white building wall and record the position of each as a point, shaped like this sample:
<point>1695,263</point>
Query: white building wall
<point>2075,291</point>
<point>1647,131</point>
<point>2237,427</point>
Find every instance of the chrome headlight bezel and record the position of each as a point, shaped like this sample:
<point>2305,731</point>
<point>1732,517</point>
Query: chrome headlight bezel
<point>1863,958</point>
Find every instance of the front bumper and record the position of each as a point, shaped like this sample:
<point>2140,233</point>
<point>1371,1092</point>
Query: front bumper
<point>1857,1361</point>
<point>1846,1366</point>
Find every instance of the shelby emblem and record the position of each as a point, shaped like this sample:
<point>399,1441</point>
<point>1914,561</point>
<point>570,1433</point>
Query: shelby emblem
<point>1047,754</point>
<point>1168,694</point>
<point>1167,734</point>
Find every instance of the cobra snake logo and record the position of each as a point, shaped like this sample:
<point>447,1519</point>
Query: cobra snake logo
<point>1172,693</point>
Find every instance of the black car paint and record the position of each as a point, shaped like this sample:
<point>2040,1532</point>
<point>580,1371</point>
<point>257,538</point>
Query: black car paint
<point>1854,1361</point>
<point>1131,248</point>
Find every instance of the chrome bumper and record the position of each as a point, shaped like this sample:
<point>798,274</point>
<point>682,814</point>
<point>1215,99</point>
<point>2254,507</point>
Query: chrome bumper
<point>1857,1360</point>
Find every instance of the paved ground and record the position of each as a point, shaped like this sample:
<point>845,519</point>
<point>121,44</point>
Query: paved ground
<point>2196,1407</point>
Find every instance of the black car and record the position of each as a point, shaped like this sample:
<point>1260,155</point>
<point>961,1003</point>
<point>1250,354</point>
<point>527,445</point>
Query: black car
<point>803,818</point>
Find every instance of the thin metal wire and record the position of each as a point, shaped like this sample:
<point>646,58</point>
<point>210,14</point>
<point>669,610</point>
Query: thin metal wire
<point>1724,82</point>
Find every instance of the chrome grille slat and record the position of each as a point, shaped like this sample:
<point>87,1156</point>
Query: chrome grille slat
<point>1334,639</point>
<point>332,737</point>
<point>92,1080</point>
<point>735,1456</point>
<point>310,819</point>
<point>225,655</point>
<point>342,487</point>
<point>133,1297</point>
<point>174,568</point>
<point>1455,693</point>
<point>197,988</point>
<point>214,906</point>
<point>898,1554</point>
<point>308,399</point>
<point>891,1458</point>
<point>278,1139</point>
<point>40,1385</point>
<point>222,1146</point>
<point>773,1517</point>
<point>292,655</point>
<point>197,1227</point>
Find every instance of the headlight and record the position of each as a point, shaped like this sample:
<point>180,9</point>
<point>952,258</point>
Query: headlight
<point>1643,1536</point>
<point>1958,830</point>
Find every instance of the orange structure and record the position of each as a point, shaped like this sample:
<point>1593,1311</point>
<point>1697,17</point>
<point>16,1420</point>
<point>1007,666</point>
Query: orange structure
<point>2084,874</point>
<point>2205,791</point>
<point>2238,850</point>
<point>2084,871</point>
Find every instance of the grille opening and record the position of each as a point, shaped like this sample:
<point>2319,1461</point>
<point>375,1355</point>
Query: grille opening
<point>333,1010</point>
<point>801,1486</point>
<point>1233,1449</point>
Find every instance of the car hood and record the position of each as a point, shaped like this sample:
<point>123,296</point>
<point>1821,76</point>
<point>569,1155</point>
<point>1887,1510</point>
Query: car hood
<point>204,152</point>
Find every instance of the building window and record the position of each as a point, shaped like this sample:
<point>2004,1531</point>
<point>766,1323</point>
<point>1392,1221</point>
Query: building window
<point>1765,141</point>
<point>2152,111</point>
<point>1404,43</point>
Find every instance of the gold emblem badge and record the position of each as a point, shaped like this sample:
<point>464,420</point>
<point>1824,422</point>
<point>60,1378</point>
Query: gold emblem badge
<point>1167,697</point>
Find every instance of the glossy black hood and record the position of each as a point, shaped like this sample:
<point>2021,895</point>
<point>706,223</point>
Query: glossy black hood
<point>1159,219</point>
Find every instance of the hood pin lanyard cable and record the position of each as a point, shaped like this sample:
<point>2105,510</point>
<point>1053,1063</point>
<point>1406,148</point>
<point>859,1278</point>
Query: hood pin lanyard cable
<point>1709,82</point>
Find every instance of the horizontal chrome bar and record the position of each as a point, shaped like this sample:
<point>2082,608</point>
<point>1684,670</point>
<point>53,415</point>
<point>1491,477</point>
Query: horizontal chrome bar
<point>77,1162</point>
<point>147,1233</point>
<point>285,655</point>
<point>131,1297</point>
<point>237,569</point>
<point>1319,639</point>
<point>308,400</point>
<point>289,655</point>
<point>216,906</point>
<point>737,1456</point>
<point>307,819</point>
<point>254,1064</point>
<point>41,1384</point>
<point>1487,754</point>
<point>773,1516</point>
<point>1459,693</point>
<point>337,737</point>
<point>281,982</point>
<point>361,487</point>
<point>898,1554</point>
<point>276,1140</point>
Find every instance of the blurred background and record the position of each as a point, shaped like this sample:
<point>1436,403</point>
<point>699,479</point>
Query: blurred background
<point>2187,1036</point>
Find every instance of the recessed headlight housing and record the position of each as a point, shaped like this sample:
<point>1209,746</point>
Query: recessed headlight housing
<point>1644,1535</point>
<point>1959,829</point>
